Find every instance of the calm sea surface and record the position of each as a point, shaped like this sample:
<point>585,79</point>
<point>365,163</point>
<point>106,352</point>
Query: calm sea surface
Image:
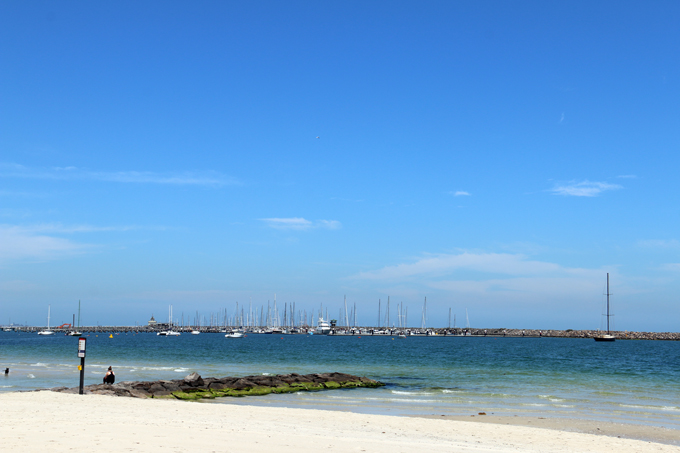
<point>624,381</point>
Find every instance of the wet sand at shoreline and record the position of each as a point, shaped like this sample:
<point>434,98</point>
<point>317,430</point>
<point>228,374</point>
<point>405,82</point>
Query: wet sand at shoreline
<point>619,430</point>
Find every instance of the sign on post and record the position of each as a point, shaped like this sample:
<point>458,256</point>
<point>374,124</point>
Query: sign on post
<point>81,354</point>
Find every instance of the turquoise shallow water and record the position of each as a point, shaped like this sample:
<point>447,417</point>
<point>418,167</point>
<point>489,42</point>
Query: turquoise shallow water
<point>624,381</point>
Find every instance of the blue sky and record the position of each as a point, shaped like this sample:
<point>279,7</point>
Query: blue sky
<point>499,157</point>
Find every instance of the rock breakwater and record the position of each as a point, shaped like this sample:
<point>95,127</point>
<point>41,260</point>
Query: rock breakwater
<point>194,387</point>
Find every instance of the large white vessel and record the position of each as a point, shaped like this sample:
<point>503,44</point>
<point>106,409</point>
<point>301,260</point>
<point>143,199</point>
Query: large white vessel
<point>323,327</point>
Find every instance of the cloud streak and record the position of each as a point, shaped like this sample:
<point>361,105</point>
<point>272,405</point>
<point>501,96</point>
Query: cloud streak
<point>583,189</point>
<point>42,242</point>
<point>300,224</point>
<point>459,193</point>
<point>57,228</point>
<point>18,243</point>
<point>491,274</point>
<point>207,178</point>
<point>437,265</point>
<point>660,243</point>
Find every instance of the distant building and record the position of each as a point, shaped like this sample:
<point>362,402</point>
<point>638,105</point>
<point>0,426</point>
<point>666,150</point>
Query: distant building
<point>152,322</point>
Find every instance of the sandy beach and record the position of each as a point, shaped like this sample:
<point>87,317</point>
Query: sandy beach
<point>40,421</point>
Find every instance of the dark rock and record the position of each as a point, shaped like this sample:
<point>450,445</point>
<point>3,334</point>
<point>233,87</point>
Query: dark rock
<point>170,386</point>
<point>156,387</point>
<point>243,384</point>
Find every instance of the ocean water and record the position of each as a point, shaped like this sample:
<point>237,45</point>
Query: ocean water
<point>624,381</point>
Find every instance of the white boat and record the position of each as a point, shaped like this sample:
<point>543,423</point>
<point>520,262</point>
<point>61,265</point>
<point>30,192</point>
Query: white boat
<point>48,331</point>
<point>234,335</point>
<point>608,336</point>
<point>195,332</point>
<point>323,327</point>
<point>169,332</point>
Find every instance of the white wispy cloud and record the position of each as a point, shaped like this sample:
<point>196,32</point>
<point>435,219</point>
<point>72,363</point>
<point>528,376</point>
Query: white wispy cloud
<point>660,243</point>
<point>19,243</point>
<point>42,242</point>
<point>673,267</point>
<point>435,265</point>
<point>299,223</point>
<point>205,178</point>
<point>584,188</point>
<point>500,274</point>
<point>459,193</point>
<point>58,228</point>
<point>329,224</point>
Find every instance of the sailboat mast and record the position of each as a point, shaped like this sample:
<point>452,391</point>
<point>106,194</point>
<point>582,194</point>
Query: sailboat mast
<point>607,302</point>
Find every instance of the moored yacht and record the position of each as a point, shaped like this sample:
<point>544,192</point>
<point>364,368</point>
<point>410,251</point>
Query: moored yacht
<point>607,336</point>
<point>323,327</point>
<point>47,331</point>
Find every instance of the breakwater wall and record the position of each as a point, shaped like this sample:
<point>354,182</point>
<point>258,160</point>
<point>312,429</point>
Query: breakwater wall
<point>369,331</point>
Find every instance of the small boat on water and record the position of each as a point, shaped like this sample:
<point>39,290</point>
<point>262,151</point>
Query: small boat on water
<point>608,336</point>
<point>234,335</point>
<point>48,331</point>
<point>75,332</point>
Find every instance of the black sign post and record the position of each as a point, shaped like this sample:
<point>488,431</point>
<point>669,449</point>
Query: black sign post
<point>81,354</point>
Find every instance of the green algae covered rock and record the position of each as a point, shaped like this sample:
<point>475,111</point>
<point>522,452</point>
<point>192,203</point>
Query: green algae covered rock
<point>194,388</point>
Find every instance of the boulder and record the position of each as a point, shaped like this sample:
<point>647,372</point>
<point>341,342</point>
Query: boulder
<point>194,380</point>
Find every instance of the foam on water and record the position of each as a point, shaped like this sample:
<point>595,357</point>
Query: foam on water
<point>398,392</point>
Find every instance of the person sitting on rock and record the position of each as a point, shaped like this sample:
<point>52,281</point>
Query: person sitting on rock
<point>109,377</point>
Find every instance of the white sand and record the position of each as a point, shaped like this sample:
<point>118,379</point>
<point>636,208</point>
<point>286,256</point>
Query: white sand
<point>56,422</point>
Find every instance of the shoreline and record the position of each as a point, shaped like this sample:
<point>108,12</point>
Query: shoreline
<point>32,421</point>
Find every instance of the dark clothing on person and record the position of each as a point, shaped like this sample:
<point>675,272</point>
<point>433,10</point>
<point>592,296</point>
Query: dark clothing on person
<point>109,377</point>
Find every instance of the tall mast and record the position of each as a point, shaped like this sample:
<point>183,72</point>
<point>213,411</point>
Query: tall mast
<point>379,320</point>
<point>607,302</point>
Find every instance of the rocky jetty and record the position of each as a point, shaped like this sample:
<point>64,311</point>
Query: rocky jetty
<point>569,333</point>
<point>194,387</point>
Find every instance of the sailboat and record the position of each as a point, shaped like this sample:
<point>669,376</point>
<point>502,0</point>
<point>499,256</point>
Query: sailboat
<point>197,331</point>
<point>75,332</point>
<point>608,336</point>
<point>48,331</point>
<point>169,332</point>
